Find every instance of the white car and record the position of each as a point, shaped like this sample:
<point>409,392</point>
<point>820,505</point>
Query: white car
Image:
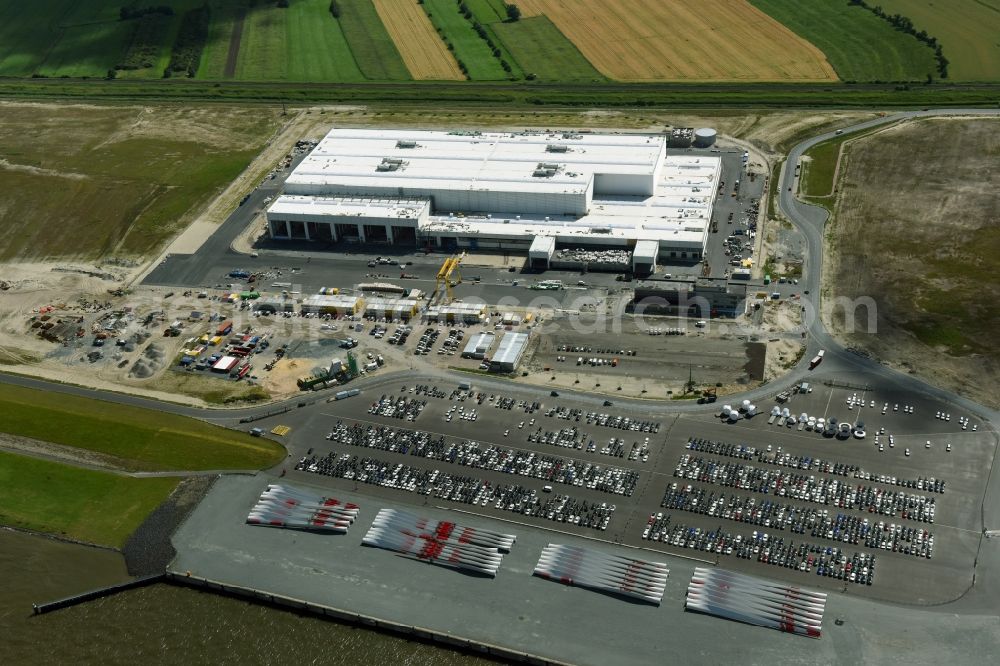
<point>906,452</point>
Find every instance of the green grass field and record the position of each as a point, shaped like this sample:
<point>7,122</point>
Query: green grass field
<point>147,440</point>
<point>300,43</point>
<point>818,173</point>
<point>116,180</point>
<point>60,38</point>
<point>91,506</point>
<point>491,14</point>
<point>539,48</point>
<point>220,29</point>
<point>860,46</point>
<point>373,48</point>
<point>470,48</point>
<point>968,30</point>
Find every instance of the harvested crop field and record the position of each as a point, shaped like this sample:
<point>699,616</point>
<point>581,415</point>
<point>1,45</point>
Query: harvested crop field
<point>423,52</point>
<point>916,230</point>
<point>671,40</point>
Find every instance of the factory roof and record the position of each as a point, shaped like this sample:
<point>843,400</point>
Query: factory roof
<point>530,162</point>
<point>511,347</point>
<point>402,208</point>
<point>342,300</point>
<point>543,245</point>
<point>646,251</point>
<point>677,212</point>
<point>479,343</point>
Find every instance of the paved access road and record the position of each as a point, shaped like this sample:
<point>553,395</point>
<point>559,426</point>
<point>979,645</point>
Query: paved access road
<point>921,629</point>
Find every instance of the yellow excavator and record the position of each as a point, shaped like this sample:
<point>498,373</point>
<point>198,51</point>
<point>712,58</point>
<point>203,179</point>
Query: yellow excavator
<point>444,280</point>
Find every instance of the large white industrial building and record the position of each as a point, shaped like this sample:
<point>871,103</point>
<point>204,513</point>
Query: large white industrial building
<point>511,191</point>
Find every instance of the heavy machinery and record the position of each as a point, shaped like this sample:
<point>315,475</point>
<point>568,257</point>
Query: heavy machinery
<point>708,395</point>
<point>444,280</point>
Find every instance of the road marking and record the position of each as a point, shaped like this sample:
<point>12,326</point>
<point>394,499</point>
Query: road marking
<point>960,529</point>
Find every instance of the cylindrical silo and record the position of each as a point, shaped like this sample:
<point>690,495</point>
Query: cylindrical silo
<point>704,137</point>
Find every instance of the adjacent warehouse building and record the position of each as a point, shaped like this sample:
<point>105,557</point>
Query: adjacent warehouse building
<point>509,352</point>
<point>701,297</point>
<point>468,313</point>
<point>478,345</point>
<point>509,191</point>
<point>337,305</point>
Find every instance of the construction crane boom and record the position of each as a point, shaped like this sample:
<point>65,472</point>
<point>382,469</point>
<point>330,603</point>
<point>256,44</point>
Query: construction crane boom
<point>444,280</point>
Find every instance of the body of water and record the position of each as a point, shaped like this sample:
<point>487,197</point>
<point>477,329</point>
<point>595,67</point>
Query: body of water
<point>163,624</point>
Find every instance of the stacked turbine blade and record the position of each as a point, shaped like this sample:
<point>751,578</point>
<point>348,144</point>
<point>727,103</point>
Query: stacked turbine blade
<point>596,570</point>
<point>286,506</point>
<point>756,601</point>
<point>444,543</point>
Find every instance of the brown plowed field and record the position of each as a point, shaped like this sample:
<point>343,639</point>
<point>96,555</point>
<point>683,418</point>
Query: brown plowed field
<point>680,40</point>
<point>422,49</point>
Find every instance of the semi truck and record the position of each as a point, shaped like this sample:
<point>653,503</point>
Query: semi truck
<point>817,359</point>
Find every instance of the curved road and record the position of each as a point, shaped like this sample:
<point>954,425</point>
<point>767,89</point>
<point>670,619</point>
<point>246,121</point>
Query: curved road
<point>810,220</point>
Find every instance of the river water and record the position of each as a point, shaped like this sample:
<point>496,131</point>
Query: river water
<point>163,624</point>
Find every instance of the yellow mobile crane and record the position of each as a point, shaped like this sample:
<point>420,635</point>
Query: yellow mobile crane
<point>449,268</point>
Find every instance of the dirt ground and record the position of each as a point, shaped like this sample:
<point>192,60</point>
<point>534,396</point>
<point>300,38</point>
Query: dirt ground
<point>916,232</point>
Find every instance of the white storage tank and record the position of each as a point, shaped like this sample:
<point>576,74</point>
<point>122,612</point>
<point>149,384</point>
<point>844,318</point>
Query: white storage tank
<point>704,137</point>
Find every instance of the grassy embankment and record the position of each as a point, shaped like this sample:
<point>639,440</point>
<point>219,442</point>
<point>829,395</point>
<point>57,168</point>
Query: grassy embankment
<point>530,94</point>
<point>86,505</point>
<point>138,439</point>
<point>819,168</point>
<point>859,45</point>
<point>103,507</point>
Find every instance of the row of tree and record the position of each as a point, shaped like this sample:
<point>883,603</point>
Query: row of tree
<point>191,38</point>
<point>129,13</point>
<point>904,24</point>
<point>464,10</point>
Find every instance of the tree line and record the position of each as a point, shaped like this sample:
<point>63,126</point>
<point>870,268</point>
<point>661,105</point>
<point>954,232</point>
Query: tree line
<point>190,42</point>
<point>904,24</point>
<point>464,10</point>
<point>129,13</point>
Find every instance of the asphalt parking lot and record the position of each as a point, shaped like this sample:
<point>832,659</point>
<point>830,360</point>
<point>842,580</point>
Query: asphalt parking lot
<point>669,359</point>
<point>309,266</point>
<point>956,527</point>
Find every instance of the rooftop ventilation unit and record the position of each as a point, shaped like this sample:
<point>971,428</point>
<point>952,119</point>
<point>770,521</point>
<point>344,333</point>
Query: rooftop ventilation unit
<point>556,148</point>
<point>406,144</point>
<point>390,164</point>
<point>546,169</point>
